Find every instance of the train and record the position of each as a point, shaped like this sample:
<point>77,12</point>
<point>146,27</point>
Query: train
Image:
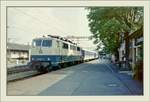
<point>49,52</point>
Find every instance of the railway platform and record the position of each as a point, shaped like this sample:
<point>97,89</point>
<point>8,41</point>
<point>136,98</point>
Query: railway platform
<point>96,78</point>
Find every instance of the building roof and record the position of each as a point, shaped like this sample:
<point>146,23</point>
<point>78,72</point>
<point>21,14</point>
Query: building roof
<point>14,46</point>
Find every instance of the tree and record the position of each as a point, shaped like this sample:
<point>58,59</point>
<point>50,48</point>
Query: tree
<point>106,24</point>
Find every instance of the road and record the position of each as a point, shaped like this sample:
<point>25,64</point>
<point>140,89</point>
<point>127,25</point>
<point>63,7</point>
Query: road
<point>97,77</point>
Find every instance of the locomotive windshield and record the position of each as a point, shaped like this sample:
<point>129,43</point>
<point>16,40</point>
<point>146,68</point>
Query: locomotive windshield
<point>47,43</point>
<point>42,43</point>
<point>37,42</point>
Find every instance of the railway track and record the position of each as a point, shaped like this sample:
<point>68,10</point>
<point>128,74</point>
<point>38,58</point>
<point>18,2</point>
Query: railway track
<point>25,71</point>
<point>20,72</point>
<point>18,69</point>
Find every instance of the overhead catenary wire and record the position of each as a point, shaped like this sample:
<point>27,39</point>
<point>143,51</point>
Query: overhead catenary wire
<point>35,19</point>
<point>30,27</point>
<point>48,26</point>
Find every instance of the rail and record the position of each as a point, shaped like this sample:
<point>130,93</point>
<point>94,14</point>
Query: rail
<point>20,72</point>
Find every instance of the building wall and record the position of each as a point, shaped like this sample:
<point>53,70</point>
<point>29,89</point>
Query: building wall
<point>18,54</point>
<point>15,57</point>
<point>134,50</point>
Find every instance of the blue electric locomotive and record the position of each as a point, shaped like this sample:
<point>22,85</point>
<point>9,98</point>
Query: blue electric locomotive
<point>56,52</point>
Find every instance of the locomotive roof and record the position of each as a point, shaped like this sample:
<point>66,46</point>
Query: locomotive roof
<point>58,39</point>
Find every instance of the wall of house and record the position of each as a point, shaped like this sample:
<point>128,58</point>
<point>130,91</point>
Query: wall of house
<point>15,57</point>
<point>135,52</point>
<point>135,49</point>
<point>18,54</point>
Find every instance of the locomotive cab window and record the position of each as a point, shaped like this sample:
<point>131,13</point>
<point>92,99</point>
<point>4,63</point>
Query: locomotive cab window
<point>43,43</point>
<point>47,43</point>
<point>65,46</point>
<point>36,42</point>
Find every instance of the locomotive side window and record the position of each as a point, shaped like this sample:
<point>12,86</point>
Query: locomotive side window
<point>78,48</point>
<point>74,48</point>
<point>47,43</point>
<point>71,47</point>
<point>65,46</point>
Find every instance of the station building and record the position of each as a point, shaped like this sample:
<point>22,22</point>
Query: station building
<point>135,48</point>
<point>17,54</point>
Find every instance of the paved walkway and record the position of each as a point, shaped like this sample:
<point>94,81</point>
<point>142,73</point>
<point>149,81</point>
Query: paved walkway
<point>94,78</point>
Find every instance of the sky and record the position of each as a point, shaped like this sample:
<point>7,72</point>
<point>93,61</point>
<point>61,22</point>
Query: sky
<point>26,23</point>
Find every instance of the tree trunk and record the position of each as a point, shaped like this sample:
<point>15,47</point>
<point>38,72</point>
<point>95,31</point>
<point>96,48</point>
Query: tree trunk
<point>117,46</point>
<point>127,50</point>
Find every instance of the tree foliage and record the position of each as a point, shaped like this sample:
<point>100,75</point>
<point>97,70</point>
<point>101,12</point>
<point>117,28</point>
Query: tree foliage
<point>106,23</point>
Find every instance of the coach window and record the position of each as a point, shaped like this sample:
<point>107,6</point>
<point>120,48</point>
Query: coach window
<point>65,46</point>
<point>47,43</point>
